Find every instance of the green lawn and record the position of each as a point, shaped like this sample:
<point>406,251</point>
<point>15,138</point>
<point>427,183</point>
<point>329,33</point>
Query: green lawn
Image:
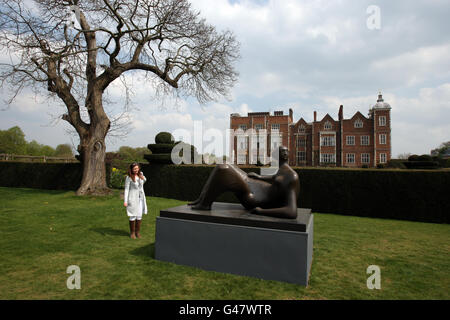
<point>43,232</point>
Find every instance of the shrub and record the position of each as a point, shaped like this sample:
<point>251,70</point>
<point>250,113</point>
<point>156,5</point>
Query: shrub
<point>422,164</point>
<point>163,158</point>
<point>164,137</point>
<point>117,180</point>
<point>425,157</point>
<point>396,164</point>
<point>161,148</point>
<point>413,157</point>
<point>445,163</point>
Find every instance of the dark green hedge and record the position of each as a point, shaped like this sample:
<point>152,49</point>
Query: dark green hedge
<point>182,182</point>
<point>162,158</point>
<point>161,148</point>
<point>393,194</point>
<point>421,164</point>
<point>52,176</point>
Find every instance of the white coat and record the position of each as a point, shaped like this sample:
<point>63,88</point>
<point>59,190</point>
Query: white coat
<point>133,191</point>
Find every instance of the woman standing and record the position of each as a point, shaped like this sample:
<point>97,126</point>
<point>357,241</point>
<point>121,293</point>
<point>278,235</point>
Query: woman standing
<point>134,198</point>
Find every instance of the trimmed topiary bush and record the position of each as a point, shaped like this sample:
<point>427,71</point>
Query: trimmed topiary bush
<point>161,148</point>
<point>164,138</point>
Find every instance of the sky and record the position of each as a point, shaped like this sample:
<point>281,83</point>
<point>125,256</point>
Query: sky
<point>301,54</point>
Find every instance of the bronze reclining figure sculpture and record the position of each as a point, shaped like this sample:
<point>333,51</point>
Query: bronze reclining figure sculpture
<point>274,195</point>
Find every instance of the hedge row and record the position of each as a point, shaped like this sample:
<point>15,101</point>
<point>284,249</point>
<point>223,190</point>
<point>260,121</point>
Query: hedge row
<point>393,194</point>
<point>51,176</point>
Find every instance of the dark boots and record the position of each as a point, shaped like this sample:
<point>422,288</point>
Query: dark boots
<point>138,228</point>
<point>133,229</point>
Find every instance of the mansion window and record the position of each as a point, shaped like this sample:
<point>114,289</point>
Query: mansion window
<point>365,140</point>
<point>327,141</point>
<point>301,129</point>
<point>243,127</point>
<point>327,158</point>
<point>301,156</point>
<point>382,121</point>
<point>383,158</point>
<point>382,139</point>
<point>358,123</point>
<point>350,157</point>
<point>301,142</point>
<point>276,126</point>
<point>259,126</point>
<point>365,157</point>
<point>350,140</point>
<point>327,125</point>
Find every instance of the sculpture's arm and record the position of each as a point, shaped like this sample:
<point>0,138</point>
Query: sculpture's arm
<point>257,176</point>
<point>288,211</point>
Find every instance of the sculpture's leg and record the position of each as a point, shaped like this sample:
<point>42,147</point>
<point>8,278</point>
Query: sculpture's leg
<point>208,182</point>
<point>223,178</point>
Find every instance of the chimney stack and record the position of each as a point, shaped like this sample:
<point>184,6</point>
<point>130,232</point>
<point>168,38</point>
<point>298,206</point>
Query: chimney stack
<point>341,112</point>
<point>315,116</point>
<point>291,114</point>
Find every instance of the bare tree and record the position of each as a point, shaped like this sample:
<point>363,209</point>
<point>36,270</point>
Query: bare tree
<point>404,156</point>
<point>166,39</point>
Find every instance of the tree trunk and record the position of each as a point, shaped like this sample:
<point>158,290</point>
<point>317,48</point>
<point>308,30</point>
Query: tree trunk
<point>92,150</point>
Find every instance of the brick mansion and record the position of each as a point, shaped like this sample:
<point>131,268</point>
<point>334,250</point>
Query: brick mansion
<point>355,142</point>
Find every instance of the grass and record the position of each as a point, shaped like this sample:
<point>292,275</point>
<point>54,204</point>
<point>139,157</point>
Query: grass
<point>43,232</point>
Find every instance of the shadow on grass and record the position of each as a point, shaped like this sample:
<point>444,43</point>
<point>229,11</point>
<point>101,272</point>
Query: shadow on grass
<point>111,232</point>
<point>147,251</point>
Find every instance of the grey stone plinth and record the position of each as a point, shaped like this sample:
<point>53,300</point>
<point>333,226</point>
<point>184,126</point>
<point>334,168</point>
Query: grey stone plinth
<point>241,243</point>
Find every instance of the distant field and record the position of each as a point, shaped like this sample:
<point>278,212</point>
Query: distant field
<point>43,232</point>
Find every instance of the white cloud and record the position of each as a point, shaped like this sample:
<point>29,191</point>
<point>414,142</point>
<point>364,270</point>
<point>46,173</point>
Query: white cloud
<point>29,102</point>
<point>416,66</point>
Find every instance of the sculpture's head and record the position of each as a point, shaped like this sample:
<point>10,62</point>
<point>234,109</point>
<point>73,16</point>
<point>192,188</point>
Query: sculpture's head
<point>284,153</point>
